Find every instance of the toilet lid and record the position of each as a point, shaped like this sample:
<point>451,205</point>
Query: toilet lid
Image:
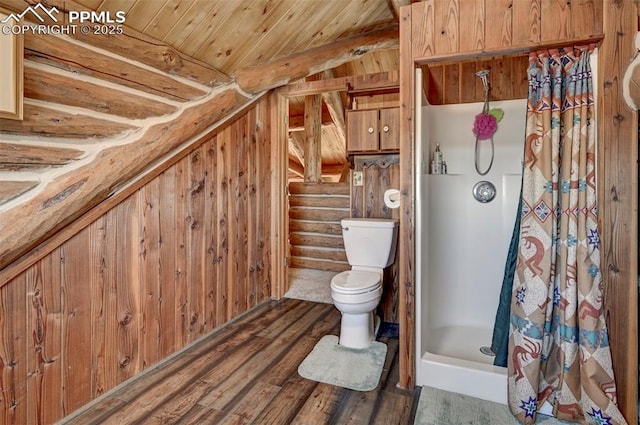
<point>355,281</point>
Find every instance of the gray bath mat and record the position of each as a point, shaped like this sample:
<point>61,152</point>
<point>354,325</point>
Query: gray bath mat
<point>438,407</point>
<point>333,364</point>
<point>310,285</point>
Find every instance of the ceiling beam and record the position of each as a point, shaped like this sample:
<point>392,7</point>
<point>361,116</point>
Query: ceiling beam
<point>296,146</point>
<point>333,100</point>
<point>133,44</point>
<point>284,70</point>
<point>367,82</point>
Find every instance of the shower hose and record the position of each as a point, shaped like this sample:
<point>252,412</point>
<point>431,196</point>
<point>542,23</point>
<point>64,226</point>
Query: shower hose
<point>485,110</point>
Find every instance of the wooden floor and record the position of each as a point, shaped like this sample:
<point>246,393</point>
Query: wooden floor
<point>246,373</point>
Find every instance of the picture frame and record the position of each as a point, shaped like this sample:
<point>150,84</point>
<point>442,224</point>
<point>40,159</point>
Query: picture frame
<point>11,72</point>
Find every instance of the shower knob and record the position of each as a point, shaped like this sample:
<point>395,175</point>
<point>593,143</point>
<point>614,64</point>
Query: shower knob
<point>484,191</point>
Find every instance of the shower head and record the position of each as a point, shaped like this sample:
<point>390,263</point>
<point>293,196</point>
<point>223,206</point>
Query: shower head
<point>485,82</point>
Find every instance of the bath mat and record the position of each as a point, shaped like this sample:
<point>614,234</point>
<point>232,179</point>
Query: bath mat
<point>333,364</point>
<point>310,285</point>
<point>439,407</point>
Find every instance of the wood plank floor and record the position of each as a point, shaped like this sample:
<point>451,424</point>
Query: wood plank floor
<point>246,373</point>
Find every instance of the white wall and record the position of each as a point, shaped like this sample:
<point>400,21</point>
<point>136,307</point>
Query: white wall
<point>464,242</point>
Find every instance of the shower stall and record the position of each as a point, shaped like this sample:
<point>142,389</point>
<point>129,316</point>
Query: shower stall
<point>462,244</point>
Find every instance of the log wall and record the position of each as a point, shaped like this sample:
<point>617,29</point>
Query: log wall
<point>439,31</point>
<point>97,116</point>
<point>179,257</point>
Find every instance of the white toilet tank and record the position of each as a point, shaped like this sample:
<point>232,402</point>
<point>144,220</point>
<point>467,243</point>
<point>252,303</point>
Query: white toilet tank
<point>370,242</point>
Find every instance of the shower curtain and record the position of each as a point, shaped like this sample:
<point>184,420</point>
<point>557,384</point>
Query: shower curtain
<point>558,345</point>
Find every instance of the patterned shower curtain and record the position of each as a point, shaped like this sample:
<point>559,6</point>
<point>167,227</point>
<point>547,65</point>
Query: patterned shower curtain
<point>558,344</point>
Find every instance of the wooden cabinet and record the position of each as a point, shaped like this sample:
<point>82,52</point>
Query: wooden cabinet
<point>373,130</point>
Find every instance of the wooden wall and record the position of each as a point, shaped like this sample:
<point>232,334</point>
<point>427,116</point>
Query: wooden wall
<point>179,257</point>
<point>380,172</point>
<point>454,83</point>
<point>456,27</point>
<point>437,31</point>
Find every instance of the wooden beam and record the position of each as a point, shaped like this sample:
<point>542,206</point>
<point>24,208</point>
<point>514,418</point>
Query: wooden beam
<point>69,90</point>
<point>365,82</point>
<point>320,188</point>
<point>15,156</point>
<point>135,45</point>
<point>313,138</point>
<point>42,121</point>
<point>406,241</point>
<point>333,100</point>
<point>59,53</point>
<point>13,189</point>
<point>299,65</point>
<point>448,58</point>
<point>279,242</point>
<point>296,147</point>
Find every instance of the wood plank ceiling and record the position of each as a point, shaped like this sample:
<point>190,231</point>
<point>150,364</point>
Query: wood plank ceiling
<point>234,34</point>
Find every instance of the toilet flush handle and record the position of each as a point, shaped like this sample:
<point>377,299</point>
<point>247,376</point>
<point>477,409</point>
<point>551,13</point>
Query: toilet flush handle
<point>346,229</point>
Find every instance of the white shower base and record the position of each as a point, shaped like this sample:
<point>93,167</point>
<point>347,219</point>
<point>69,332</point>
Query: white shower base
<point>453,362</point>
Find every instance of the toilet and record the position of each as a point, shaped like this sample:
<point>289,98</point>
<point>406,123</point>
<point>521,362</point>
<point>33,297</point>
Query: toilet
<point>370,244</point>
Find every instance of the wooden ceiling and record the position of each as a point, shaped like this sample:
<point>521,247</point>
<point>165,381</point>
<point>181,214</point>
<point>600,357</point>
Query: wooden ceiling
<point>234,34</point>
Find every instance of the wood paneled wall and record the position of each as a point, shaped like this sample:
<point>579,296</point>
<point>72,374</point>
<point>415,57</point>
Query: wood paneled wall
<point>181,256</point>
<point>457,83</point>
<point>452,27</point>
<point>436,31</point>
<point>380,172</point>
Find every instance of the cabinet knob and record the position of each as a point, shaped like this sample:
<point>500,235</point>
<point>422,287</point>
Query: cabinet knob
<point>385,128</point>
<point>370,130</point>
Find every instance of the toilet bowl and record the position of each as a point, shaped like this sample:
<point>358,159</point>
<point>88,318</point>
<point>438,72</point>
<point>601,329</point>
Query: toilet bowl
<point>370,247</point>
<point>356,294</point>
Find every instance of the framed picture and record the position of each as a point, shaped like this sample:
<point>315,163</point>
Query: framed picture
<point>11,74</point>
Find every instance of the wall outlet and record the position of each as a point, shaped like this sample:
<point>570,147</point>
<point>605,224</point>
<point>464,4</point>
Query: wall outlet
<point>357,178</point>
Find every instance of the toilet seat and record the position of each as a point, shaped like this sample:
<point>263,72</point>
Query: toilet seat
<point>355,282</point>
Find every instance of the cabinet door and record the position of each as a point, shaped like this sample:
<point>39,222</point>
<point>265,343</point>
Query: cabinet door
<point>362,130</point>
<point>389,129</point>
